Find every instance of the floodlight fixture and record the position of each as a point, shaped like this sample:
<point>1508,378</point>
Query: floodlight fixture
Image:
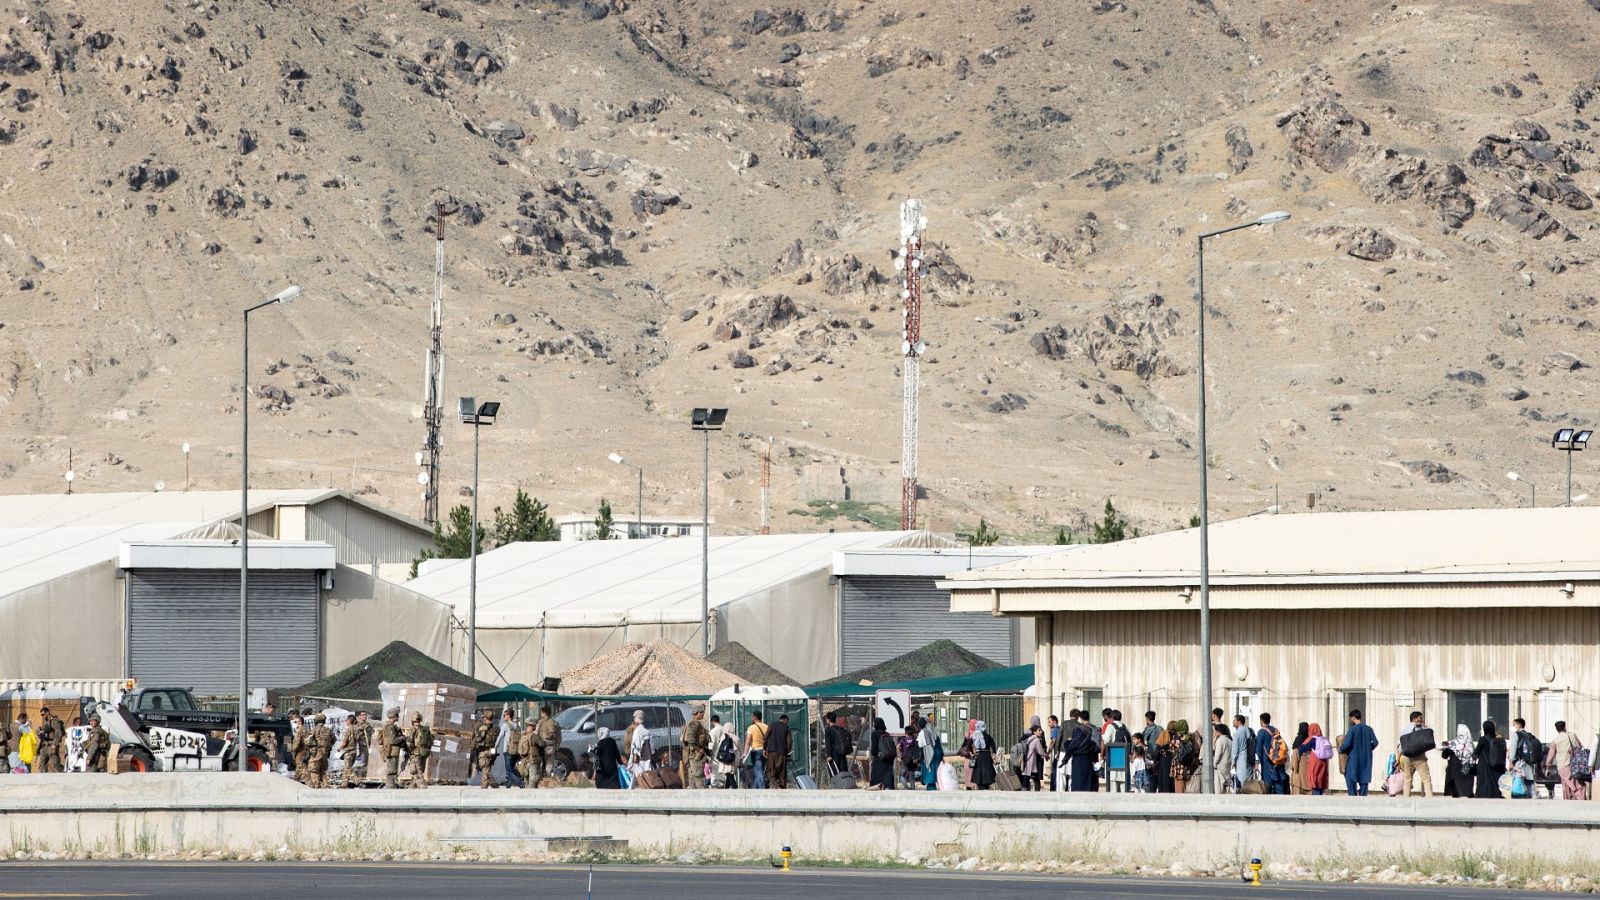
<point>708,419</point>
<point>1570,441</point>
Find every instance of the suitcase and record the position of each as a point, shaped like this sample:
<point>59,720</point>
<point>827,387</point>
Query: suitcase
<point>805,782</point>
<point>1007,780</point>
<point>670,779</point>
<point>649,780</point>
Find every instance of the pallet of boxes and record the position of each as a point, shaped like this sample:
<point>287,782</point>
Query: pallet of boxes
<point>448,711</point>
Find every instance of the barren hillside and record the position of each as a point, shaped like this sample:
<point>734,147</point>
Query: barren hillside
<point>671,203</point>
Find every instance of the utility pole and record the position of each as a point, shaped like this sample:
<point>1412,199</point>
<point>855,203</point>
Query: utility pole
<point>433,373</point>
<point>912,222</point>
<point>766,486</point>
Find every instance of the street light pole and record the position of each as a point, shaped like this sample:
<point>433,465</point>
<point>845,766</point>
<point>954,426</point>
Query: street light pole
<point>706,420</point>
<point>242,736</point>
<point>639,509</point>
<point>1208,781</point>
<point>474,414</point>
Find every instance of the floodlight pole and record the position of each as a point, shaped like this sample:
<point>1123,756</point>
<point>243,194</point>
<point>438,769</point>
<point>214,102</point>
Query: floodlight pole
<point>705,548</point>
<point>1208,780</point>
<point>1569,474</point>
<point>472,564</point>
<point>242,736</point>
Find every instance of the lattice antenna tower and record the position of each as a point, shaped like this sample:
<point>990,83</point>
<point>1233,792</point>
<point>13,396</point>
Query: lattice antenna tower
<point>766,485</point>
<point>433,374</point>
<point>912,223</point>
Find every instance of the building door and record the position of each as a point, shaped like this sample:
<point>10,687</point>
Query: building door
<point>1245,702</point>
<point>886,616</point>
<point>1552,709</point>
<point>183,629</point>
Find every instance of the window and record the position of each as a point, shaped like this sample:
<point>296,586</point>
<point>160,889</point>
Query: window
<point>1352,700</point>
<point>677,717</point>
<point>615,718</point>
<point>1471,708</point>
<point>1093,700</point>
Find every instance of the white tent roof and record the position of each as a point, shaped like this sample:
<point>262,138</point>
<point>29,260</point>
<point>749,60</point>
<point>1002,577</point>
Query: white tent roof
<point>137,507</point>
<point>31,556</point>
<point>605,582</point>
<point>1420,546</point>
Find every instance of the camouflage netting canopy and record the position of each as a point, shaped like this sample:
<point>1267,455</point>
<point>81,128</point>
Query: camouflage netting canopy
<point>656,669</point>
<point>396,663</point>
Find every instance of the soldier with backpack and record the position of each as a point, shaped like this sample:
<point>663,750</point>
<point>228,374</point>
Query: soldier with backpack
<point>419,746</point>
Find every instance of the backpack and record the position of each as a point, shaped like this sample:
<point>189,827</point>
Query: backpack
<point>847,744</point>
<point>1322,748</point>
<point>1250,750</point>
<point>885,751</point>
<point>1497,754</point>
<point>1278,753</point>
<point>1187,753</point>
<point>1122,736</point>
<point>726,752</point>
<point>1532,750</point>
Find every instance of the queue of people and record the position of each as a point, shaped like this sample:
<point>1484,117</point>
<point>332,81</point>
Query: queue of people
<point>1260,758</point>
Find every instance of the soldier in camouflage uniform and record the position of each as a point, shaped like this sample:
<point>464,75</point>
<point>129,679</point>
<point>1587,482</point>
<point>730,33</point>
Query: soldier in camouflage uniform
<point>528,758</point>
<point>299,745</point>
<point>419,741</point>
<point>483,741</point>
<point>321,746</point>
<point>547,739</point>
<point>696,743</point>
<point>97,747</point>
<point>357,739</point>
<point>391,741</point>
<point>51,736</point>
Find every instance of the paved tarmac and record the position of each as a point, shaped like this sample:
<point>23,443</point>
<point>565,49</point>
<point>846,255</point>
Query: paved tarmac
<point>459,881</point>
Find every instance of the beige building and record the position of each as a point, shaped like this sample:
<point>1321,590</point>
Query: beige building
<point>95,588</point>
<point>1465,615</point>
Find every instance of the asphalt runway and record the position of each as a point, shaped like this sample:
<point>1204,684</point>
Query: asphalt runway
<point>458,881</point>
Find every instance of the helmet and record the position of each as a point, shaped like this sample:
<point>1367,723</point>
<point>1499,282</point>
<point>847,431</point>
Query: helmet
<point>321,719</point>
<point>416,717</point>
<point>393,714</point>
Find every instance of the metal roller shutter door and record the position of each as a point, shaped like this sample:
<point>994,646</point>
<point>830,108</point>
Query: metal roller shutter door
<point>183,629</point>
<point>885,616</point>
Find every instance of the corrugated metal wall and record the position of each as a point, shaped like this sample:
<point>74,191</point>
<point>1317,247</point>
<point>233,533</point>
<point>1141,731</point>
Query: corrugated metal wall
<point>1403,659</point>
<point>360,536</point>
<point>886,616</point>
<point>69,627</point>
<point>183,628</point>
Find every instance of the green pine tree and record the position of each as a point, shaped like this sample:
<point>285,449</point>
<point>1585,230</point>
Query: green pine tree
<point>528,520</point>
<point>454,542</point>
<point>1111,528</point>
<point>1063,535</point>
<point>984,536</point>
<point>604,527</point>
<point>1194,521</point>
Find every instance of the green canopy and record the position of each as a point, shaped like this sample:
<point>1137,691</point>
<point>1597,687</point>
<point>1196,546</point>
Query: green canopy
<point>1014,679</point>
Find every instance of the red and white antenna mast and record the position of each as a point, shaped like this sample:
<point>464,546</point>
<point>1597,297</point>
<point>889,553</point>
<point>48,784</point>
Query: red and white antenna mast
<point>912,222</point>
<point>766,486</point>
<point>433,375</point>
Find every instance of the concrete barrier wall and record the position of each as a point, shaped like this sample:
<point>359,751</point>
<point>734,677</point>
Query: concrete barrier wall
<point>160,813</point>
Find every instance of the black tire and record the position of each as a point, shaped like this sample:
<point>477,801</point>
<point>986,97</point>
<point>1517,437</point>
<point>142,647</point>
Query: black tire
<point>256,761</point>
<point>562,766</point>
<point>134,761</point>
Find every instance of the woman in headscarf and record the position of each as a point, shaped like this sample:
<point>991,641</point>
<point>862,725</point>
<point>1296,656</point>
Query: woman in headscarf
<point>1299,761</point>
<point>883,757</point>
<point>1459,763</point>
<point>1221,757</point>
<point>1490,754</point>
<point>1184,750</point>
<point>1316,768</point>
<point>932,755</point>
<point>607,760</point>
<point>722,773</point>
<point>979,748</point>
<point>1080,753</point>
<point>1033,757</point>
<point>1161,758</point>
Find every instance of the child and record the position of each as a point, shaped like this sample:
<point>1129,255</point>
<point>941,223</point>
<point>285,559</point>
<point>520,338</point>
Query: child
<point>1136,768</point>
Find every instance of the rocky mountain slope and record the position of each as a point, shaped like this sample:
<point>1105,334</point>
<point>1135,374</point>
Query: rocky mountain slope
<point>671,203</point>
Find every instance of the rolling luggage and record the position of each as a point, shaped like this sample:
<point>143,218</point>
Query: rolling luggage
<point>1007,780</point>
<point>805,783</point>
<point>670,779</point>
<point>650,780</point>
<point>840,781</point>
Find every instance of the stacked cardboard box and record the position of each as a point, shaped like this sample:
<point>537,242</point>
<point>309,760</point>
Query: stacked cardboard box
<point>448,711</point>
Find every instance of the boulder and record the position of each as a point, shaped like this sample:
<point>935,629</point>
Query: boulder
<point>741,360</point>
<point>1430,471</point>
<point>1370,244</point>
<point>1564,362</point>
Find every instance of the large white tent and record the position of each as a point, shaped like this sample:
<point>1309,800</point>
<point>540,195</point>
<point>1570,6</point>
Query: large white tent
<point>546,607</point>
